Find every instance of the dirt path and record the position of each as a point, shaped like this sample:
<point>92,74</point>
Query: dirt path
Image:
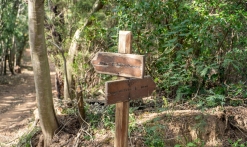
<point>17,102</point>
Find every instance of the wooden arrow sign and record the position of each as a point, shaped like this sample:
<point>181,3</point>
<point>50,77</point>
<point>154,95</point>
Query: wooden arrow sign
<point>126,65</point>
<point>125,90</point>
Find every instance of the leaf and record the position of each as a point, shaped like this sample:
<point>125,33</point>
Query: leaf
<point>235,66</point>
<point>156,79</point>
<point>198,117</point>
<point>156,119</point>
<point>168,45</point>
<point>173,40</point>
<point>190,144</point>
<point>204,72</point>
<point>184,34</point>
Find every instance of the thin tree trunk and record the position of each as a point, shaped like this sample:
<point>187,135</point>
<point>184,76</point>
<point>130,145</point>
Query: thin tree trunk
<point>80,104</point>
<point>18,57</point>
<point>2,58</point>
<point>12,56</point>
<point>41,70</point>
<point>5,55</point>
<point>19,44</point>
<point>73,49</point>
<point>20,50</point>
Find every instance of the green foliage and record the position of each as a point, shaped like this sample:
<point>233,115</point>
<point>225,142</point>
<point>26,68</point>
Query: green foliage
<point>194,49</point>
<point>237,143</point>
<point>69,111</point>
<point>238,90</point>
<point>104,117</point>
<point>195,143</point>
<point>215,100</point>
<point>13,23</point>
<point>132,120</point>
<point>101,116</point>
<point>190,46</point>
<point>25,140</point>
<point>108,117</point>
<point>154,134</point>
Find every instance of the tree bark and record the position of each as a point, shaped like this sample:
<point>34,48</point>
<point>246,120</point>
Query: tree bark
<point>19,45</point>
<point>5,61</point>
<point>41,70</point>
<point>12,56</point>
<point>18,56</point>
<point>1,61</point>
<point>80,104</point>
<point>12,49</point>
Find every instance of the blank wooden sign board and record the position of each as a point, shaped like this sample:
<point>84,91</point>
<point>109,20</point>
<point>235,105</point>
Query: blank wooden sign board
<point>129,89</point>
<point>121,91</point>
<point>126,65</point>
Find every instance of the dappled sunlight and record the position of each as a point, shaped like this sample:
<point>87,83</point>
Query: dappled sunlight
<point>146,117</point>
<point>15,114</point>
<point>178,79</point>
<point>4,105</point>
<point>18,101</point>
<point>7,97</point>
<point>27,72</point>
<point>183,126</point>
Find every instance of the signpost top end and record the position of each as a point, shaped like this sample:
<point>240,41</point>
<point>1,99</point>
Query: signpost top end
<point>124,43</point>
<point>125,32</point>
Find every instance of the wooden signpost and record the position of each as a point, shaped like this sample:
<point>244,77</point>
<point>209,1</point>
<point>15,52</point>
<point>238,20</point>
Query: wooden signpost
<point>130,89</point>
<point>126,65</point>
<point>120,92</point>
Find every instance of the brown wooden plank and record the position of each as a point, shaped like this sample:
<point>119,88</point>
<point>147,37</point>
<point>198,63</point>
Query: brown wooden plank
<point>122,124</point>
<point>122,108</point>
<point>125,90</point>
<point>141,87</point>
<point>117,91</point>
<point>124,43</point>
<point>126,65</point>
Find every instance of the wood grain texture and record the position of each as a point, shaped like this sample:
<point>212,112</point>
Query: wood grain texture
<point>124,42</point>
<point>122,124</point>
<point>126,65</point>
<point>129,89</point>
<point>122,108</point>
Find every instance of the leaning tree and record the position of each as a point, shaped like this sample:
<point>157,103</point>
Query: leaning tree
<point>41,70</point>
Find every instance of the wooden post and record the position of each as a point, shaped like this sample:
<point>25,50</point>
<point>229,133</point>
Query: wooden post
<point>121,91</point>
<point>122,108</point>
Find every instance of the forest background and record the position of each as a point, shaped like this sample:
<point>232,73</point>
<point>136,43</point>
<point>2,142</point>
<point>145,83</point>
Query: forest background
<point>195,50</point>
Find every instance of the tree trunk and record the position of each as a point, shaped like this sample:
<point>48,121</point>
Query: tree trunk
<point>41,70</point>
<point>2,58</point>
<point>19,50</point>
<point>19,45</point>
<point>80,104</point>
<point>73,49</point>
<point>5,61</point>
<point>18,56</point>
<point>12,56</point>
<point>11,59</point>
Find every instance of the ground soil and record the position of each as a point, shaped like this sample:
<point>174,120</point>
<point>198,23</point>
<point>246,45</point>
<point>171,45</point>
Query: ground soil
<point>173,125</point>
<point>17,102</point>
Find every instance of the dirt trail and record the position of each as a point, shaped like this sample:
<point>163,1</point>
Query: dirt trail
<point>17,102</point>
